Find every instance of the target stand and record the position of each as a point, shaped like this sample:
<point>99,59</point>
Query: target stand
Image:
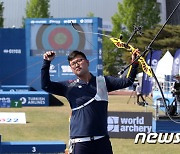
<point>58,35</point>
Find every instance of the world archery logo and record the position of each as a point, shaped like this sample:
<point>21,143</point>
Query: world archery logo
<point>113,124</point>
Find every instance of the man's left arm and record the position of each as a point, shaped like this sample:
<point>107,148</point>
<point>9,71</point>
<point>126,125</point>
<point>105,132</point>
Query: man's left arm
<point>115,83</point>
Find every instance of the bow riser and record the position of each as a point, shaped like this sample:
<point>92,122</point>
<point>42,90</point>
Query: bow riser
<point>119,44</point>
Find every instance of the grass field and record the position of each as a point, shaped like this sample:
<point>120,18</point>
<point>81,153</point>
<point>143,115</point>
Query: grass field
<point>51,123</point>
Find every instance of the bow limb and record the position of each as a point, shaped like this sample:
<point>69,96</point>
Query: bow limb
<point>146,68</point>
<point>119,44</point>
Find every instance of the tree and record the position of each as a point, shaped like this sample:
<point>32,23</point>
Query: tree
<point>136,12</point>
<point>168,39</point>
<point>130,13</point>
<point>1,14</point>
<point>90,14</point>
<point>110,58</point>
<point>37,9</point>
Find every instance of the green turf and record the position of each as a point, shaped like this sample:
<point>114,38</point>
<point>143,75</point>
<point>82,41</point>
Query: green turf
<point>51,123</point>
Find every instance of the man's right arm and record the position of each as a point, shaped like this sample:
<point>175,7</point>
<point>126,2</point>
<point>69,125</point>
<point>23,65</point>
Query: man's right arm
<point>58,88</point>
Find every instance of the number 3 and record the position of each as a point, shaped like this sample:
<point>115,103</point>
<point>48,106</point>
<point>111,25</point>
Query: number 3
<point>33,149</point>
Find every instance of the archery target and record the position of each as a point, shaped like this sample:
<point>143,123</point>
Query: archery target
<point>59,37</point>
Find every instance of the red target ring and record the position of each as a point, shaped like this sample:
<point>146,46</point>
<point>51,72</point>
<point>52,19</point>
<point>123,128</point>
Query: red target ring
<point>60,38</point>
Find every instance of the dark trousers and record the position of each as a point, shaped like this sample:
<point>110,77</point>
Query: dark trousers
<point>100,146</point>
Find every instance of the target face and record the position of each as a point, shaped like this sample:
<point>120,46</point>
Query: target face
<point>59,38</point>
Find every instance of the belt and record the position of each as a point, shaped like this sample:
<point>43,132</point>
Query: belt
<point>85,139</point>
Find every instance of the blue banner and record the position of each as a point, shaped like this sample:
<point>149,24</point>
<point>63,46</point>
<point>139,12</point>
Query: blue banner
<point>12,56</point>
<point>152,60</point>
<point>176,63</point>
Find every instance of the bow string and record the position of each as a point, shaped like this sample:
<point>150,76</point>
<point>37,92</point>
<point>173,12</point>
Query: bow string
<point>120,44</point>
